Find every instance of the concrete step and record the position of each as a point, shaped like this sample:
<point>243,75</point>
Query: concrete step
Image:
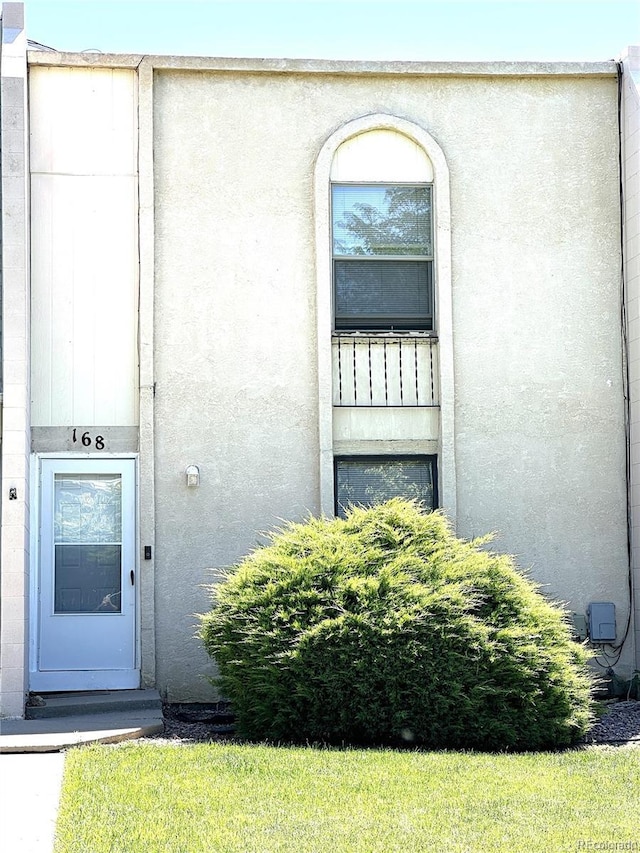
<point>53,734</point>
<point>50,705</point>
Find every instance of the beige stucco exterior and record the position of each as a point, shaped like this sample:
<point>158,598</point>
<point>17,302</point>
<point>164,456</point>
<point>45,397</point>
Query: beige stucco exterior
<point>234,348</point>
<point>539,435</point>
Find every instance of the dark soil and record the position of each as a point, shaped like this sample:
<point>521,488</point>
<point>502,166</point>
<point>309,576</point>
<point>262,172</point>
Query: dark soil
<point>206,723</point>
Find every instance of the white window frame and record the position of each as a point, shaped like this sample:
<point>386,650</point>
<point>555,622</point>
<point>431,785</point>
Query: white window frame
<point>390,323</point>
<point>388,459</point>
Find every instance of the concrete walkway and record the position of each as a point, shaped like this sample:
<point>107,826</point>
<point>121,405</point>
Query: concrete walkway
<point>29,796</point>
<point>32,758</point>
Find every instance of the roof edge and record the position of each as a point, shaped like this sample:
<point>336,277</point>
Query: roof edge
<point>326,66</point>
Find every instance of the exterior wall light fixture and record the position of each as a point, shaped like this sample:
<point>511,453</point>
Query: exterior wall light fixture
<point>193,475</point>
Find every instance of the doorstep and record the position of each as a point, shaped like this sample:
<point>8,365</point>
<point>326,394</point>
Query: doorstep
<point>72,719</point>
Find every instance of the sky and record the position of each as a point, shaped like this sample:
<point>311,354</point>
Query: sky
<point>456,30</point>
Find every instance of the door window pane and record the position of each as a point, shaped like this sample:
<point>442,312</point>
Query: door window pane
<point>87,508</point>
<point>87,579</point>
<point>88,543</point>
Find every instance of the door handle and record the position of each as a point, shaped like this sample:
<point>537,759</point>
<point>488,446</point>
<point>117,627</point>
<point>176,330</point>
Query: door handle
<point>132,576</point>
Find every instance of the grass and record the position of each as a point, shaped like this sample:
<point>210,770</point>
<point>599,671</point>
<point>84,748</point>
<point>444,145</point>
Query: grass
<point>222,798</point>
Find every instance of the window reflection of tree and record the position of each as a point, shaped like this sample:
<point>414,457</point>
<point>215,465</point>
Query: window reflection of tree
<point>398,222</point>
<point>88,536</point>
<point>88,510</point>
<point>389,228</point>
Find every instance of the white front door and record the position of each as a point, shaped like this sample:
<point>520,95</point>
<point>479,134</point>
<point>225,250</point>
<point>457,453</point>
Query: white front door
<point>87,576</point>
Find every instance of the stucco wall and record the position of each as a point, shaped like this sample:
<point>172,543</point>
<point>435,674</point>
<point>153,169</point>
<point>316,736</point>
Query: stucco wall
<point>234,344</point>
<point>537,346</point>
<point>539,414</point>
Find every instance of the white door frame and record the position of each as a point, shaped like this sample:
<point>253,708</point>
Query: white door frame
<point>40,681</point>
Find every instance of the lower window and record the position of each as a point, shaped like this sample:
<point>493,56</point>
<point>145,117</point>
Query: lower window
<point>367,480</point>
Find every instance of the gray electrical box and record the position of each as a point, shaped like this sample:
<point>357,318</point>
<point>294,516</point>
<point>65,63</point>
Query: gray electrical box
<point>602,621</point>
<point>579,626</point>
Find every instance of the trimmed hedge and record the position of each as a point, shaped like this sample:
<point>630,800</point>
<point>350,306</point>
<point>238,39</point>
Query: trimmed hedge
<point>385,628</point>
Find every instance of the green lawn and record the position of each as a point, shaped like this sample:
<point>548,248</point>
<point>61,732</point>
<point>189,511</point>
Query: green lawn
<point>219,798</point>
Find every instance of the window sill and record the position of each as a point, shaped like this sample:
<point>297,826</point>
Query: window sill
<point>384,333</point>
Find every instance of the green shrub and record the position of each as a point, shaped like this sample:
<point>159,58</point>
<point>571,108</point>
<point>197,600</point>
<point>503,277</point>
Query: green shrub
<point>385,628</point>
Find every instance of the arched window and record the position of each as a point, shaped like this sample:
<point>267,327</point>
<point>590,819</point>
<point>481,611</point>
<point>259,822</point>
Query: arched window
<point>385,342</point>
<point>382,234</point>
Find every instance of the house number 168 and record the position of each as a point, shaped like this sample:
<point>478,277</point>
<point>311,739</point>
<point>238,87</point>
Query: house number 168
<point>87,440</point>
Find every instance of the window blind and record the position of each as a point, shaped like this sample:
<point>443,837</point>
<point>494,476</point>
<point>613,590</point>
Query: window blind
<point>370,480</point>
<point>386,294</point>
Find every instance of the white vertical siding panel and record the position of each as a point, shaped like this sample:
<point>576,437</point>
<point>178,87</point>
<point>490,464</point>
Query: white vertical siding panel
<point>124,123</point>
<point>115,301</point>
<point>41,302</point>
<point>84,247</point>
<point>58,289</point>
<point>85,265</point>
<point>83,121</point>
